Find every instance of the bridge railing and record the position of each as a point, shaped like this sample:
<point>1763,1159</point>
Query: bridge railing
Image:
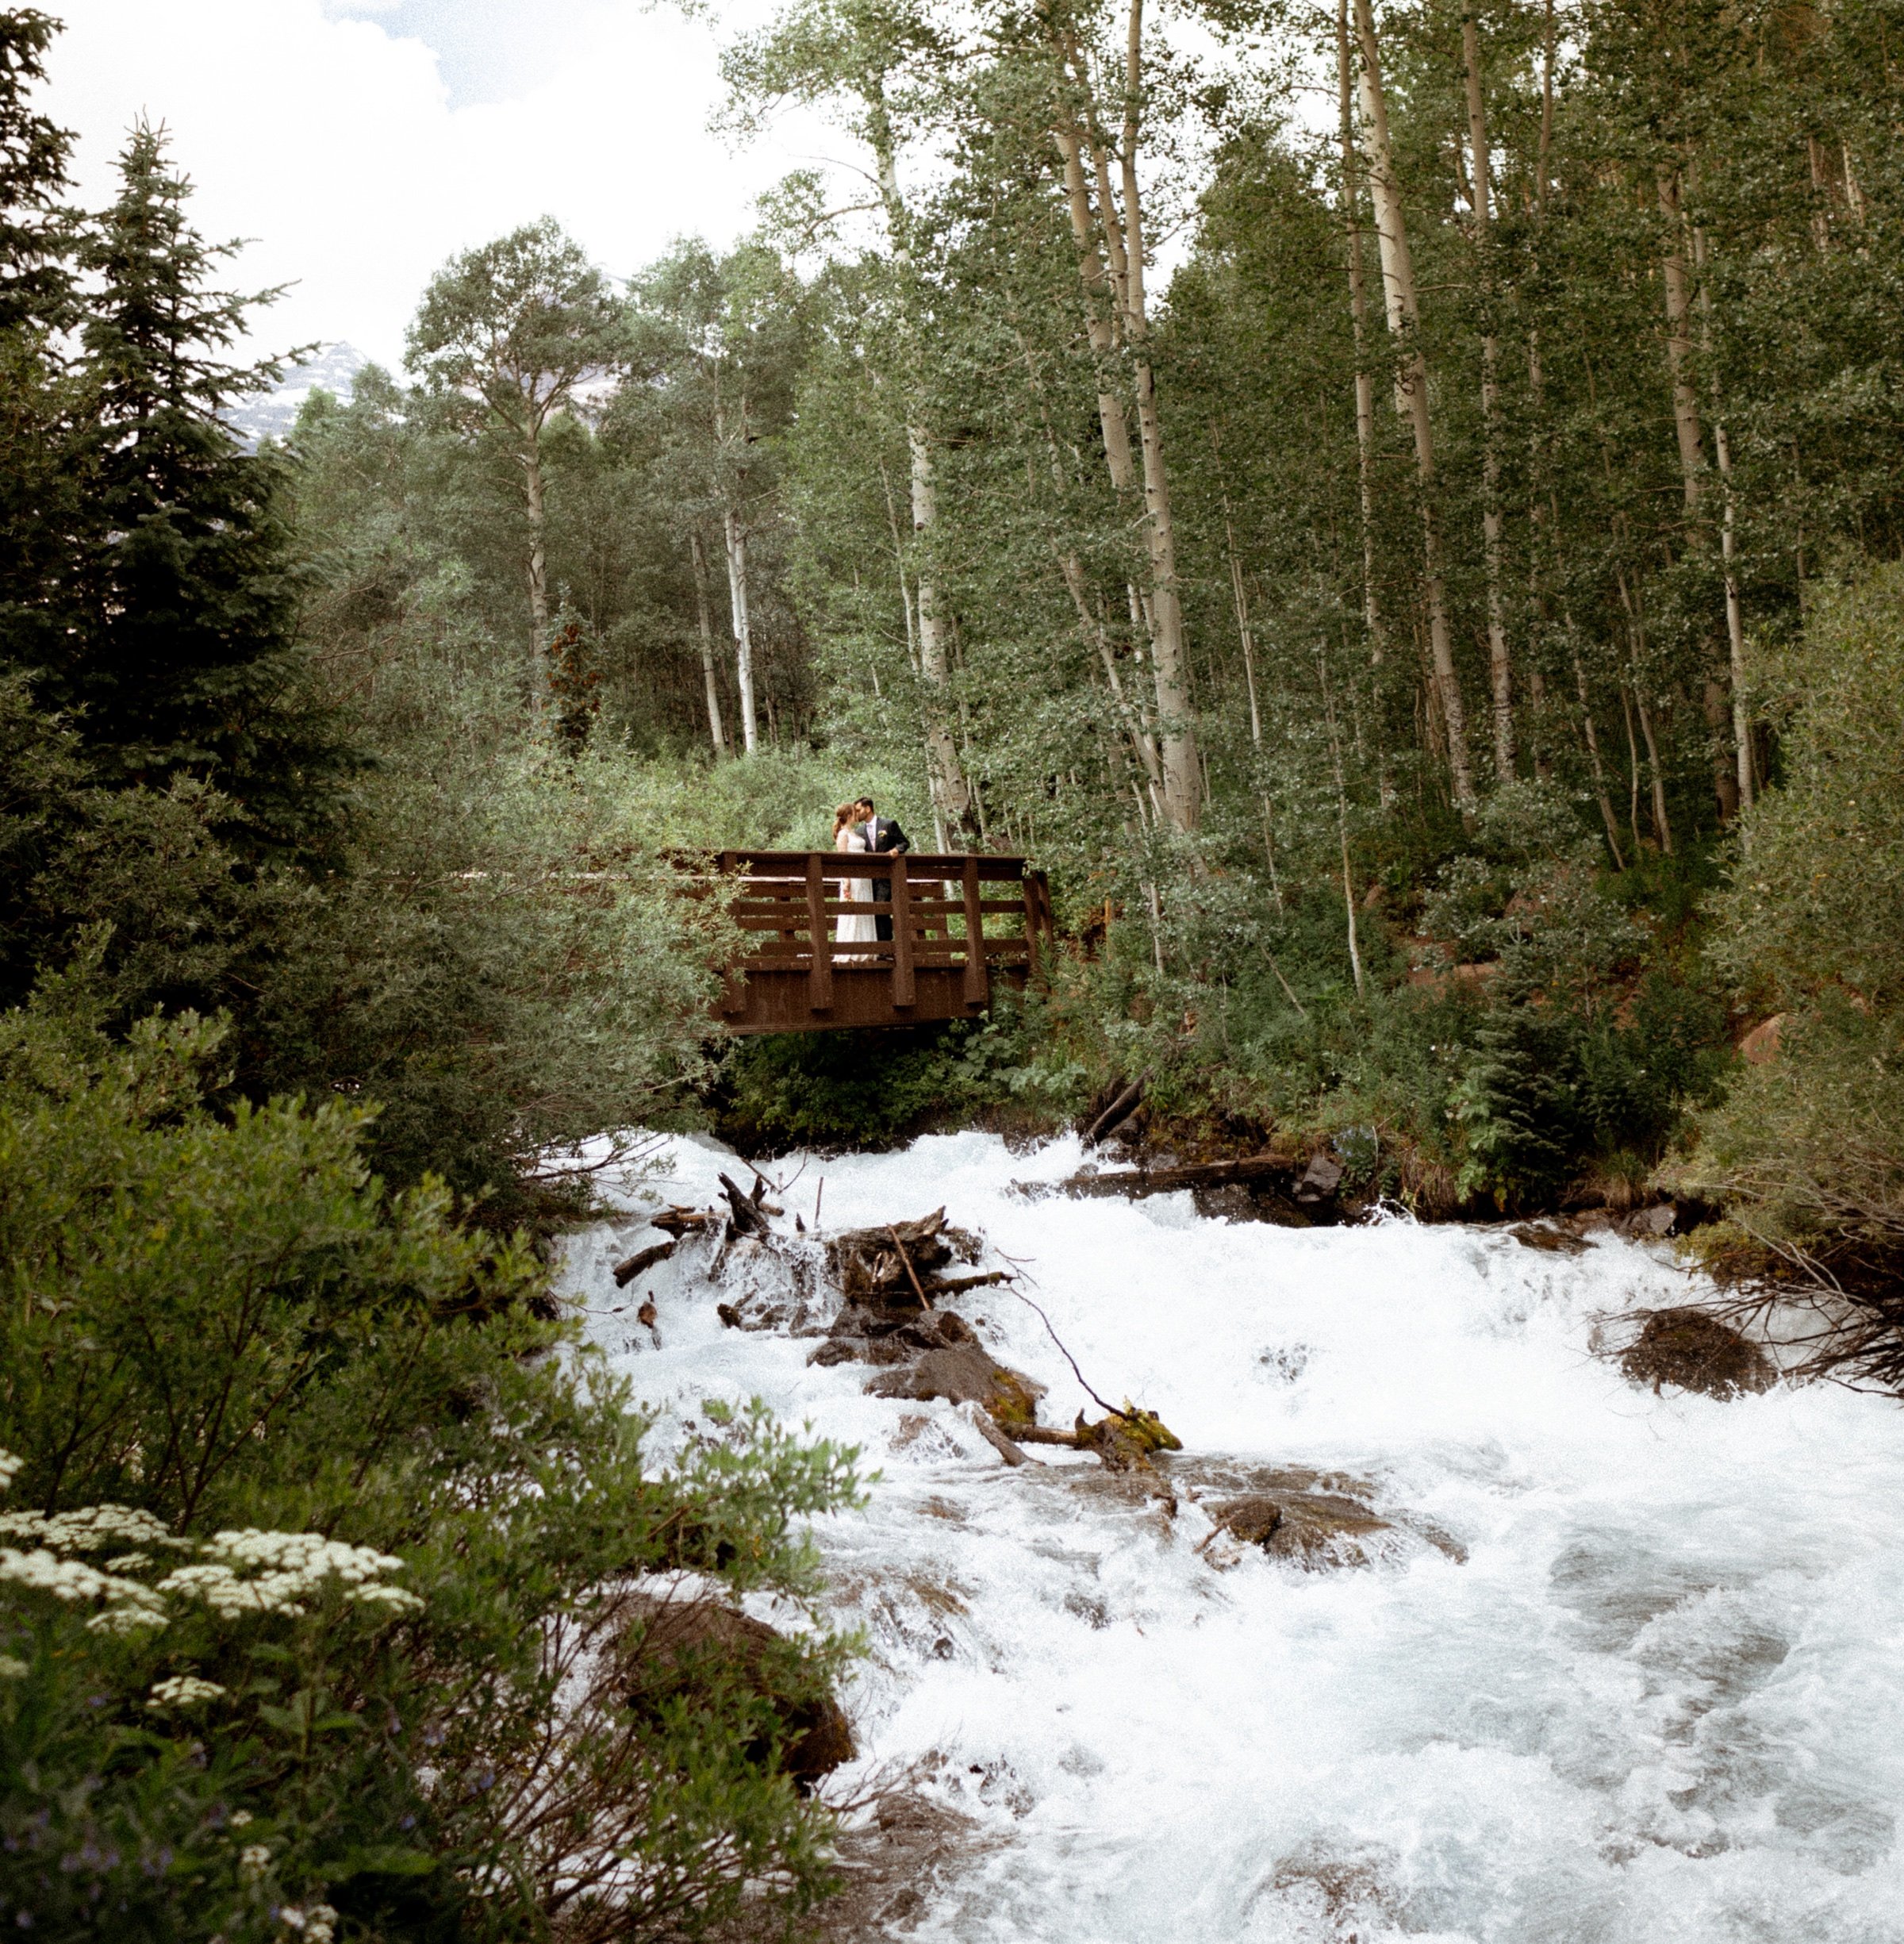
<point>958,920</point>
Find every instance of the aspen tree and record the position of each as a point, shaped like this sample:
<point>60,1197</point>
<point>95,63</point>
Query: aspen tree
<point>1731,781</point>
<point>1500,669</point>
<point>1118,321</point>
<point>716,728</point>
<point>1411,386</point>
<point>735,535</point>
<point>1364,376</point>
<point>945,771</point>
<point>510,331</point>
<point>850,52</point>
<point>1735,618</point>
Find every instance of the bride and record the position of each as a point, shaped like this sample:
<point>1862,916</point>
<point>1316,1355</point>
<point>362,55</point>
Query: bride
<point>856,928</point>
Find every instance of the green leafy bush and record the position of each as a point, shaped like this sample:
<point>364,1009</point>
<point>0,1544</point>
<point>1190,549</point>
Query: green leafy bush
<point>1807,1150</point>
<point>319,1594</point>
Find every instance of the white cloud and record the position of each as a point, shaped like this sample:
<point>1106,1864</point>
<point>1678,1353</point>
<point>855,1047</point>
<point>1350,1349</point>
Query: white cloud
<point>331,135</point>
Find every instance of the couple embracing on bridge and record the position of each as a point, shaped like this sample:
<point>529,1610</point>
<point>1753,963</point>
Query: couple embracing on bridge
<point>857,827</point>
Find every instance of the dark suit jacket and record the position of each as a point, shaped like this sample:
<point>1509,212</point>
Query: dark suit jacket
<point>883,834</point>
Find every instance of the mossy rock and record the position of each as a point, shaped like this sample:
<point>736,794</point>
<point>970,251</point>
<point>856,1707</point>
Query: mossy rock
<point>1693,1350</point>
<point>964,1373</point>
<point>699,1649</point>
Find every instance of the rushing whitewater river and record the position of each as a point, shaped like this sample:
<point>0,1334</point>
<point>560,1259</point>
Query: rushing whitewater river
<point>1628,1668</point>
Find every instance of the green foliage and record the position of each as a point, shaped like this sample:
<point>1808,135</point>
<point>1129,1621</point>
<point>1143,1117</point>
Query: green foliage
<point>518,323</point>
<point>395,1684</point>
<point>180,660</point>
<point>1818,896</point>
<point>1808,1149</point>
<point>875,1089</point>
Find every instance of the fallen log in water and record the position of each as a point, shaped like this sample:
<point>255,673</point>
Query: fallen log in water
<point>625,1272</point>
<point>677,1221</point>
<point>1137,1181</point>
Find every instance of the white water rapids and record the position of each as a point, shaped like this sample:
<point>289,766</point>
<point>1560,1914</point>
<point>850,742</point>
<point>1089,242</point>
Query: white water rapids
<point>1661,1698</point>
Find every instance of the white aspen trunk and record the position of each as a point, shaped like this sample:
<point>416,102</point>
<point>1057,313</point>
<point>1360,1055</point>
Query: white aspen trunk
<point>1821,182</point>
<point>736,536</point>
<point>1240,596</point>
<point>537,571</point>
<point>1500,668</point>
<point>1183,780</point>
<point>1632,770</point>
<point>1097,313</point>
<point>950,793</point>
<point>1854,196</point>
<point>1398,282</point>
<point>1745,784</point>
<point>945,774</point>
<point>1142,740</point>
<point>1660,822</point>
<point>1735,626</point>
<point>1679,346</point>
<point>1637,642</point>
<point>1593,753</point>
<point>898,560</point>
<point>1364,378</point>
<point>716,728</point>
<point>1342,827</point>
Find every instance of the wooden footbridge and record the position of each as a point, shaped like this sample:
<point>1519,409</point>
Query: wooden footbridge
<point>958,922</point>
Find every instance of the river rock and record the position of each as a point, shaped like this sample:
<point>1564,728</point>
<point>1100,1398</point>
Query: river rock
<point>1691,1351</point>
<point>1314,1530</point>
<point>964,1373</point>
<point>1252,1520</point>
<point>673,1649</point>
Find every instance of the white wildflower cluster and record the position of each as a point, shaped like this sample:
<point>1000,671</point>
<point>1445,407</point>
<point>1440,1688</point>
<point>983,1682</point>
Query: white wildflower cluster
<point>128,1605</point>
<point>12,1667</point>
<point>91,1529</point>
<point>253,1572</point>
<point>319,1922</point>
<point>253,1859</point>
<point>236,1572</point>
<point>182,1691</point>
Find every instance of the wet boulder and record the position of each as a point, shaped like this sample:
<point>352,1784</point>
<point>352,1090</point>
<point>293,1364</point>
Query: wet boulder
<point>1320,1529</point>
<point>1253,1520</point>
<point>1319,1521</point>
<point>964,1373</point>
<point>676,1649</point>
<point>1693,1350</point>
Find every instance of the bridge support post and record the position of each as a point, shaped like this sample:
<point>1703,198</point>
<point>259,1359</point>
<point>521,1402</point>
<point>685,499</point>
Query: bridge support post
<point>819,978</point>
<point>978,974</point>
<point>903,993</point>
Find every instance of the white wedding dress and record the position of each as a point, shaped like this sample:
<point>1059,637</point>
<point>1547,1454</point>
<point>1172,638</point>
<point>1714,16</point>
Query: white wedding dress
<point>856,928</point>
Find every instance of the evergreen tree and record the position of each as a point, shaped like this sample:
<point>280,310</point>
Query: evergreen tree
<point>37,499</point>
<point>179,655</point>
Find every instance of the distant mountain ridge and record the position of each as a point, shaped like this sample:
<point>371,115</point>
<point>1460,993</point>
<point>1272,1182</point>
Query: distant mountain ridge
<point>271,414</point>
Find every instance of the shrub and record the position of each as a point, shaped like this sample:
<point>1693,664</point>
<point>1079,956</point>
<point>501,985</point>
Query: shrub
<point>316,1598</point>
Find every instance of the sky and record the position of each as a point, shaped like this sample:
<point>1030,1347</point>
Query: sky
<point>361,142</point>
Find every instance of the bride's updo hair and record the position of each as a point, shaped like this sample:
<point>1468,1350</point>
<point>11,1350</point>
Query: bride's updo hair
<point>846,813</point>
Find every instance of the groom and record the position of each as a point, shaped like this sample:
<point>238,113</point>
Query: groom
<point>882,834</point>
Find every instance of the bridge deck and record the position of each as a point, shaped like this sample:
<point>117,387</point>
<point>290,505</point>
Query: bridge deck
<point>959,922</point>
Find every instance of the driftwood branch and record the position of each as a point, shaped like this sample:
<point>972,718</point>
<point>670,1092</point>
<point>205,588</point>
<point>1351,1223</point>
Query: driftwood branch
<point>912,1274</point>
<point>748,1220</point>
<point>625,1272</point>
<point>1119,1111</point>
